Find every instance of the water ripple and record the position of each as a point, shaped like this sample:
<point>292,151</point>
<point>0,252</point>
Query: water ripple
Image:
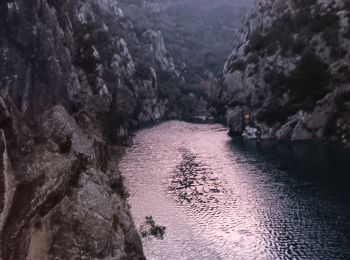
<point>193,182</point>
<point>224,200</point>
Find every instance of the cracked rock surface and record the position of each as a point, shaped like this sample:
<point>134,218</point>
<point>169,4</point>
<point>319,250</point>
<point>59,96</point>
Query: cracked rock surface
<point>68,97</point>
<point>288,73</point>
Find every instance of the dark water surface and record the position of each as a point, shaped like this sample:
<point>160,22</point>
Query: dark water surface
<point>226,198</point>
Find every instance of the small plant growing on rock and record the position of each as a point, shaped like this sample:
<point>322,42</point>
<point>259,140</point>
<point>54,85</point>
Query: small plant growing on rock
<point>237,65</point>
<point>151,229</point>
<point>118,187</point>
<point>257,40</point>
<point>310,78</point>
<point>142,72</point>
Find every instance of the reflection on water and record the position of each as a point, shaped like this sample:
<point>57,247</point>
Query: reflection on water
<point>224,198</point>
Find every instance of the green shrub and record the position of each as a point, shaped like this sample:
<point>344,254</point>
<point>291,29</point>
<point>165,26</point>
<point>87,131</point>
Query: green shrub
<point>256,40</point>
<point>253,58</point>
<point>320,22</point>
<point>280,34</point>
<point>271,48</point>
<point>331,37</point>
<point>237,65</point>
<point>118,187</point>
<point>310,77</point>
<point>342,75</point>
<point>304,3</point>
<point>298,46</point>
<point>276,81</point>
<point>302,17</point>
<point>341,100</point>
<point>272,114</point>
<point>142,71</point>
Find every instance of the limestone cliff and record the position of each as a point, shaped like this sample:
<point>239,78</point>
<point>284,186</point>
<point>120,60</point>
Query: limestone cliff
<point>198,36</point>
<point>288,76</point>
<point>69,92</point>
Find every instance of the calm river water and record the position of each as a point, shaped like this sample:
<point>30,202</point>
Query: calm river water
<point>226,198</point>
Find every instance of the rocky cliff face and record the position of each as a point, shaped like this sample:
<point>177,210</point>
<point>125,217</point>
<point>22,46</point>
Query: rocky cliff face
<point>288,77</point>
<point>198,35</point>
<point>69,91</point>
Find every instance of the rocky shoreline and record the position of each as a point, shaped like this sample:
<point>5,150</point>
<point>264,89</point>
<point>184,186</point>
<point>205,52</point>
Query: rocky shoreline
<point>77,77</point>
<point>285,79</point>
<point>69,94</point>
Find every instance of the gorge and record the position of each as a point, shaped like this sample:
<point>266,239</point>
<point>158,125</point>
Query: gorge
<point>78,77</point>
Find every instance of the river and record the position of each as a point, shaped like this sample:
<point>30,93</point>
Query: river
<point>226,198</point>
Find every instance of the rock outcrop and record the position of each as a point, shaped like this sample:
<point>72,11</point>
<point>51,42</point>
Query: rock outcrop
<point>289,71</point>
<point>235,120</point>
<point>157,49</point>
<point>198,35</point>
<point>69,92</point>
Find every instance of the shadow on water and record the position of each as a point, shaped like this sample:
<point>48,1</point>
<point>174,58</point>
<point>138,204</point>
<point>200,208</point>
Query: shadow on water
<point>326,166</point>
<point>309,211</point>
<point>223,198</point>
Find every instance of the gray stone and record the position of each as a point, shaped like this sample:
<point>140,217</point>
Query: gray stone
<point>286,131</point>
<point>63,95</point>
<point>301,133</point>
<point>235,120</point>
<point>251,133</point>
<point>257,76</point>
<point>161,55</point>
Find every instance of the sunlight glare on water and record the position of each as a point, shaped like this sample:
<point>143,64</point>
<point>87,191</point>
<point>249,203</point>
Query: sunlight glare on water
<point>221,200</point>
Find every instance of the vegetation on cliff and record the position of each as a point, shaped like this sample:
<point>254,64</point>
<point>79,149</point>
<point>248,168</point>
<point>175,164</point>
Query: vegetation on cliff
<point>288,71</point>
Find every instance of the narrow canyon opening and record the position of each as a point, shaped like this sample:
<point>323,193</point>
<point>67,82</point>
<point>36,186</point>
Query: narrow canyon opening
<point>224,124</point>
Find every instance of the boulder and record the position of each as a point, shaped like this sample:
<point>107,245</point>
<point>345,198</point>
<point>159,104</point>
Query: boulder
<point>251,133</point>
<point>301,133</point>
<point>286,131</point>
<point>235,120</point>
<point>160,52</point>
